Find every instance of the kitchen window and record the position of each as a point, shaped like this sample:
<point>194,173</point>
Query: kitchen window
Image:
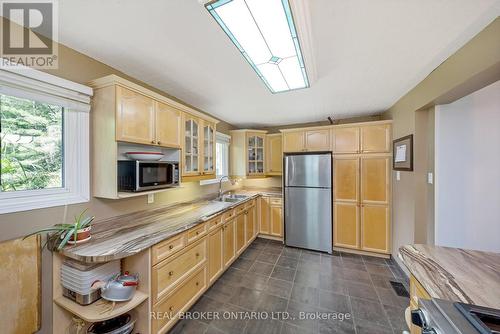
<point>222,142</point>
<point>44,140</point>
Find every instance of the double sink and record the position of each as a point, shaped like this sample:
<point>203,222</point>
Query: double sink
<point>231,198</point>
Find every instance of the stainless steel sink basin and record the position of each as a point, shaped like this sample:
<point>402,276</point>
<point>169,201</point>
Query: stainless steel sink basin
<point>232,198</point>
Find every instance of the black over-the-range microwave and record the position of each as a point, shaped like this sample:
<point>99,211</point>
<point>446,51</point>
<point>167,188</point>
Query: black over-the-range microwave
<point>136,175</point>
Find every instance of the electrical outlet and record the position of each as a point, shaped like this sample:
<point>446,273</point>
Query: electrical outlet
<point>398,175</point>
<point>151,198</point>
<point>430,178</point>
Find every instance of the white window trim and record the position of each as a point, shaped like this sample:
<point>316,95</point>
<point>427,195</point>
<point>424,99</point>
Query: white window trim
<point>28,83</point>
<point>218,138</point>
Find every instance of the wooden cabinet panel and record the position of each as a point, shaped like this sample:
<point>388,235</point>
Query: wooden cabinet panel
<point>375,179</point>
<point>264,209</point>
<point>276,219</point>
<point>346,229</point>
<point>215,254</point>
<point>250,224</point>
<point>294,141</point>
<point>376,138</point>
<point>229,244</point>
<point>134,117</point>
<point>166,248</point>
<point>346,140</point>
<point>168,125</point>
<point>208,148</point>
<point>346,178</point>
<point>191,145</point>
<point>166,275</point>
<point>196,233</point>
<point>274,154</point>
<point>318,140</point>
<point>240,232</point>
<point>375,228</point>
<point>178,302</point>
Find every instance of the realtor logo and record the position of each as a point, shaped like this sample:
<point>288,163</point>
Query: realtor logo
<point>29,33</point>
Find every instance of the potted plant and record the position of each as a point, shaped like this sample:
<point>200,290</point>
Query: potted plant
<point>61,234</point>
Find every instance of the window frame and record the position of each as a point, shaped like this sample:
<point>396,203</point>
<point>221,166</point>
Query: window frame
<point>220,138</point>
<point>31,84</point>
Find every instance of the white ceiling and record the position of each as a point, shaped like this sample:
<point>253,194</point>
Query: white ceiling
<point>367,53</point>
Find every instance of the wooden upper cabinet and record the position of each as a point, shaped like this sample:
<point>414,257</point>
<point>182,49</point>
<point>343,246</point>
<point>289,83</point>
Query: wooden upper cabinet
<point>346,140</point>
<point>375,179</point>
<point>255,144</point>
<point>294,141</point>
<point>191,152</point>
<point>375,228</point>
<point>376,138</point>
<point>346,179</point>
<point>318,140</point>
<point>208,139</point>
<point>274,154</point>
<point>168,125</point>
<point>347,225</point>
<point>134,117</point>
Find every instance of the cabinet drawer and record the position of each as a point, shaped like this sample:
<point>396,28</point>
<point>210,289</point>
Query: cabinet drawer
<point>166,312</point>
<point>239,209</point>
<point>168,274</point>
<point>214,223</point>
<point>275,201</point>
<point>249,204</point>
<point>196,233</point>
<point>168,247</point>
<point>228,215</point>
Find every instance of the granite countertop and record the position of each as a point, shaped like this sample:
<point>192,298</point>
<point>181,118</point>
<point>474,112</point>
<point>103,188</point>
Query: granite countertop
<point>118,237</point>
<point>468,276</point>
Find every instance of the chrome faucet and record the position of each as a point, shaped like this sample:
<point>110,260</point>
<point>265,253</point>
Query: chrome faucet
<point>220,184</point>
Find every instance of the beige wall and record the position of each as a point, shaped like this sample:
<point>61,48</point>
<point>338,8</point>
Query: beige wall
<point>475,65</point>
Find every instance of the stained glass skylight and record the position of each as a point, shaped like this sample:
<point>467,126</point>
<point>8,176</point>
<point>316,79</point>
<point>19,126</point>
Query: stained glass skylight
<point>265,34</point>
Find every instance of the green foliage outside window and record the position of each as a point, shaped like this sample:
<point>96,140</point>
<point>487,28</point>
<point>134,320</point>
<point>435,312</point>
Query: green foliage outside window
<point>31,144</point>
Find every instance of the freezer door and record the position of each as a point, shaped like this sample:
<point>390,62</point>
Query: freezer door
<point>308,218</point>
<point>308,170</point>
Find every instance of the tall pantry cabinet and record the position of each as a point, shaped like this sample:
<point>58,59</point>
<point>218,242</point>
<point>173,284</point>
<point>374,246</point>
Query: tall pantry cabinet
<point>362,192</point>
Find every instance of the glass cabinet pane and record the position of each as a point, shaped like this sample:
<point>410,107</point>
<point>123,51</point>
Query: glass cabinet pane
<point>260,154</point>
<point>259,142</point>
<point>260,167</point>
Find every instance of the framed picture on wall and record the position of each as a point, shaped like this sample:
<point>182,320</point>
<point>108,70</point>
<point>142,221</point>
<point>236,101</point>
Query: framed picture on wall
<point>402,153</point>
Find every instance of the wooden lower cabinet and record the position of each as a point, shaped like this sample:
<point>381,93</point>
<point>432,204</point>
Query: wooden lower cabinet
<point>166,312</point>
<point>166,275</point>
<point>229,242</point>
<point>417,292</point>
<point>264,210</point>
<point>215,254</point>
<point>346,232</point>
<point>276,217</point>
<point>240,232</point>
<point>271,217</point>
<point>375,228</point>
<point>250,224</point>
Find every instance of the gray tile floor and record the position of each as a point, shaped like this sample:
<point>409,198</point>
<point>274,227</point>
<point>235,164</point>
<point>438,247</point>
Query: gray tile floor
<point>269,277</point>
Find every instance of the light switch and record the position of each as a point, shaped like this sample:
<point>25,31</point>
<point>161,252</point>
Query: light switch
<point>398,175</point>
<point>151,198</point>
<point>430,178</point>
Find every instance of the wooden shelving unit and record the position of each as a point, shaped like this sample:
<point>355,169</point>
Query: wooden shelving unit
<point>97,311</point>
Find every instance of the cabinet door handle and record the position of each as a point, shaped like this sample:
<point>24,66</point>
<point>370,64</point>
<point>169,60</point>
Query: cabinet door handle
<point>171,308</point>
<point>197,283</point>
<point>170,273</point>
<point>171,247</point>
<point>197,254</point>
<point>152,142</point>
<point>197,232</point>
<point>159,143</point>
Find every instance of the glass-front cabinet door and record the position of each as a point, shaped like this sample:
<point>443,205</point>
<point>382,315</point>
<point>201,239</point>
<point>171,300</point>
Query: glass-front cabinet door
<point>191,146</point>
<point>208,148</point>
<point>255,151</point>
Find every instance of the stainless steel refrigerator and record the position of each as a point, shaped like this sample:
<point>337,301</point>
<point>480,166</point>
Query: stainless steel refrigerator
<point>308,201</point>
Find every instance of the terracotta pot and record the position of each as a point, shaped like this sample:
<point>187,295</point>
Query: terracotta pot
<point>81,234</point>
